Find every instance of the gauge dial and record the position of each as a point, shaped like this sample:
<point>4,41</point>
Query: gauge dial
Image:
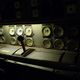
<point>19,31</point>
<point>46,31</point>
<point>13,40</point>
<point>58,31</point>
<point>29,42</point>
<point>28,31</point>
<point>12,31</point>
<point>1,31</point>
<point>58,44</point>
<point>47,43</point>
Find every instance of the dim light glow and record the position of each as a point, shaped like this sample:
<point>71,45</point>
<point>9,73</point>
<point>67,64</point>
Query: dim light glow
<point>5,51</point>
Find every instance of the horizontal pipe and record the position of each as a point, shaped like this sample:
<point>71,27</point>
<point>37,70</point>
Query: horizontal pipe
<point>50,64</point>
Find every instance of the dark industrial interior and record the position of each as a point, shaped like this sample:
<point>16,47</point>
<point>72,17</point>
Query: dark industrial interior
<point>39,40</point>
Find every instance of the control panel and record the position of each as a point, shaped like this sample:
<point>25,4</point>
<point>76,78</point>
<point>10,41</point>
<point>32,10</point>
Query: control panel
<point>51,42</point>
<point>49,36</point>
<point>47,47</point>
